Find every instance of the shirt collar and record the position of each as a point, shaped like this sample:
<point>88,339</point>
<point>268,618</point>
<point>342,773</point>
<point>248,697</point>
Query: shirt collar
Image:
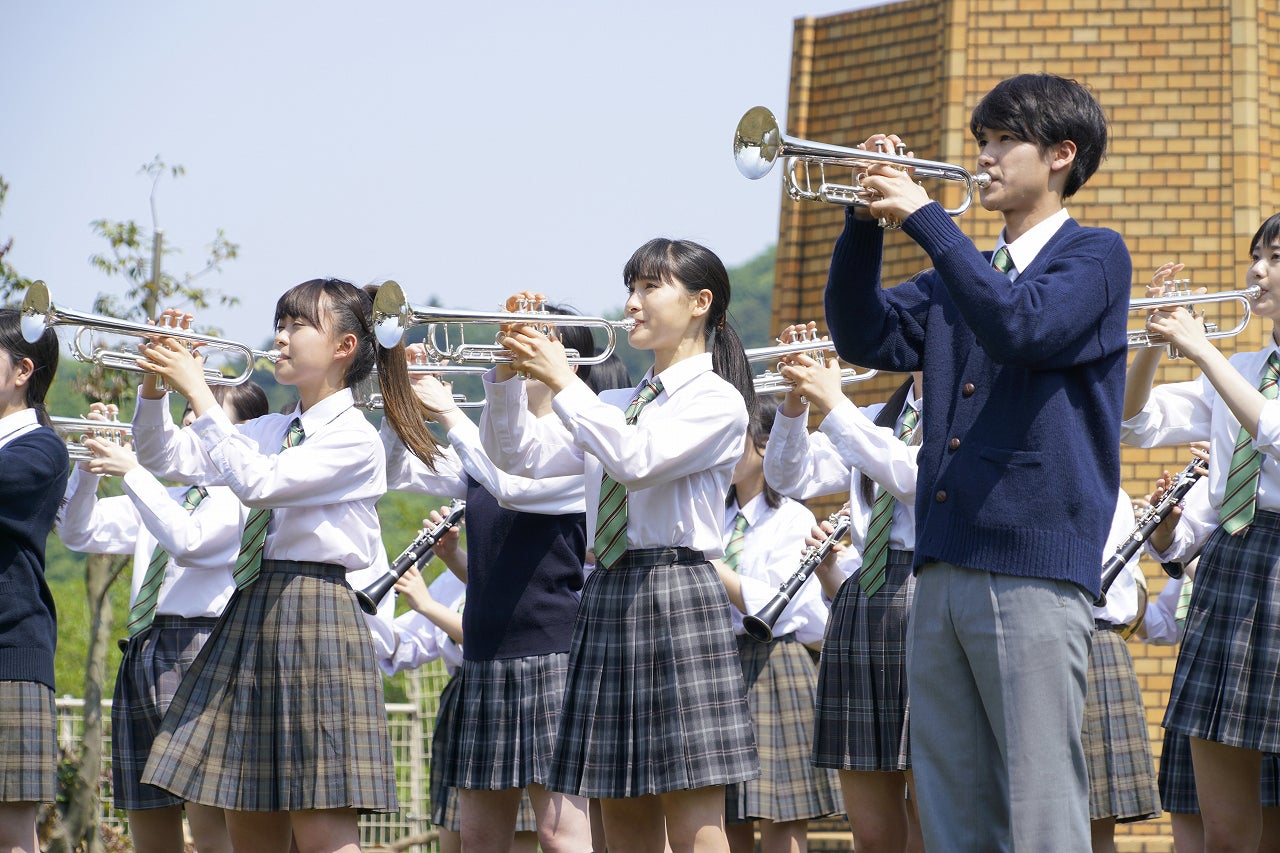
<point>754,509</point>
<point>682,372</point>
<point>19,422</point>
<point>324,411</point>
<point>1024,250</point>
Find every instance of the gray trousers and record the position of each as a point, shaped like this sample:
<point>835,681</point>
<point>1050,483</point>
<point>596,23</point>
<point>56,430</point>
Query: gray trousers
<point>996,670</point>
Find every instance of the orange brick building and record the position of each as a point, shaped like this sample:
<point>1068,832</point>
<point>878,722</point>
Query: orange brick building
<point>1187,88</point>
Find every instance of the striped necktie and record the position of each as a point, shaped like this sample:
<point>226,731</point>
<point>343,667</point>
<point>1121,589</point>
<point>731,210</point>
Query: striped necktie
<point>1241,497</point>
<point>611,519</point>
<point>254,539</point>
<point>1002,260</point>
<point>875,556</point>
<point>1184,605</point>
<point>143,611</point>
<point>733,550</point>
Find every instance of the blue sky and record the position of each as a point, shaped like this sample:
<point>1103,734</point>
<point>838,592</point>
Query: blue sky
<point>466,150</point>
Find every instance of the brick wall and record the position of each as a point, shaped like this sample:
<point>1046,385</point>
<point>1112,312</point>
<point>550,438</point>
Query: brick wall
<point>1187,89</point>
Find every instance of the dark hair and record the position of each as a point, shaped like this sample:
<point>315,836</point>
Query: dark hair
<point>341,308</point>
<point>759,425</point>
<point>1048,110</point>
<point>697,268</point>
<point>575,338</point>
<point>1267,232</point>
<point>609,374</point>
<point>248,399</point>
<point>888,417</point>
<point>43,354</point>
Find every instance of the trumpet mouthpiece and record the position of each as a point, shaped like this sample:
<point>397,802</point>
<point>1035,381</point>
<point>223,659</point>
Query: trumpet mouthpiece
<point>982,180</point>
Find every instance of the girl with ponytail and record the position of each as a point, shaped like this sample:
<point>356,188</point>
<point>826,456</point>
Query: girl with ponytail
<point>280,719</point>
<point>655,720</point>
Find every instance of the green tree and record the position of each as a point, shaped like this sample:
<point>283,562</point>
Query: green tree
<point>135,254</point>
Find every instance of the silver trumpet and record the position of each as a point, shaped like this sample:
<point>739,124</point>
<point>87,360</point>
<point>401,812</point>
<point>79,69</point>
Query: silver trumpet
<point>393,315</point>
<point>1141,338</point>
<point>758,143</point>
<point>773,382</point>
<point>73,431</point>
<point>39,314</point>
<point>367,393</point>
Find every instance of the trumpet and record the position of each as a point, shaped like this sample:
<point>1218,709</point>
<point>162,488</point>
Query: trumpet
<point>422,543</point>
<point>758,142</point>
<point>772,381</point>
<point>1141,338</point>
<point>760,625</point>
<point>39,314</point>
<point>73,431</point>
<point>393,315</point>
<point>367,393</point>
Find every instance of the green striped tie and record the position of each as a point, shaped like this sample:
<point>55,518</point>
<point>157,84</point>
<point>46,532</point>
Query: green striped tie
<point>1002,260</point>
<point>1241,497</point>
<point>1184,604</point>
<point>875,556</point>
<point>611,519</point>
<point>254,539</point>
<point>733,551</point>
<point>143,610</point>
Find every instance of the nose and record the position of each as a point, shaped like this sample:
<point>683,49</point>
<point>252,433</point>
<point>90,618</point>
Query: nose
<point>632,305</point>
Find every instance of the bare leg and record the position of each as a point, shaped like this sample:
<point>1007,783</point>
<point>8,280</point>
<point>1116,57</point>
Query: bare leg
<point>790,836</point>
<point>876,803</point>
<point>208,829</point>
<point>156,830</point>
<point>915,838</point>
<point>564,824</point>
<point>1188,832</point>
<point>259,832</point>
<point>635,824</point>
<point>488,817</point>
<point>598,842</point>
<point>1270,830</point>
<point>1227,782</point>
<point>695,820</point>
<point>525,841</point>
<point>742,837</point>
<point>1102,835</point>
<point>325,831</point>
<point>18,827</point>
<point>450,841</point>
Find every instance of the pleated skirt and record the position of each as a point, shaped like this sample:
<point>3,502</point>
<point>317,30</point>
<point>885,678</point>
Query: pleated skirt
<point>28,743</point>
<point>503,731</point>
<point>862,709</point>
<point>1117,748</point>
<point>444,799</point>
<point>1226,685</point>
<point>282,709</point>
<point>654,700</point>
<point>154,665</point>
<point>781,677</point>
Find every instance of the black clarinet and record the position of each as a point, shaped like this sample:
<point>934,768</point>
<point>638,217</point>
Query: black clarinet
<point>760,626</point>
<point>423,543</point>
<point>1147,523</point>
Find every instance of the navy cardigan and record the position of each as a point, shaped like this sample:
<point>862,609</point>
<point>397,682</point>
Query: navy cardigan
<point>1023,389</point>
<point>33,476</point>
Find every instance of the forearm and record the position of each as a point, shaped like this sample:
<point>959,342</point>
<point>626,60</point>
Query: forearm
<point>1139,379</point>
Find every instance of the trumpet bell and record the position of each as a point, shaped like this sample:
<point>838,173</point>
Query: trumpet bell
<point>35,307</point>
<point>756,143</point>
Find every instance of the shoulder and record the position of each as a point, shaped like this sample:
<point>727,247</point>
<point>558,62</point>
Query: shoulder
<point>1072,233</point>
<point>795,514</point>
<point>43,441</point>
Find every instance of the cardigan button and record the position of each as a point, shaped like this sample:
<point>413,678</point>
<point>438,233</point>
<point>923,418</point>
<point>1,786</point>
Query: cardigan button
<point>968,389</point>
<point>953,444</point>
<point>941,496</point>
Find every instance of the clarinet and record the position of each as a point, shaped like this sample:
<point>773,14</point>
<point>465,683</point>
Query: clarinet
<point>1147,523</point>
<point>760,626</point>
<point>420,547</point>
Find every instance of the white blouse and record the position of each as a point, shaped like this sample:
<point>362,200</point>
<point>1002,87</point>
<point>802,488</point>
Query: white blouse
<point>676,462</point>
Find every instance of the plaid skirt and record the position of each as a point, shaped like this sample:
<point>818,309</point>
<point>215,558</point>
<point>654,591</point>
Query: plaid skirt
<point>1226,685</point>
<point>861,711</point>
<point>1178,780</point>
<point>503,730</point>
<point>28,743</point>
<point>282,709</point>
<point>655,700</point>
<point>1117,747</point>
<point>781,678</point>
<point>444,799</point>
<point>153,666</point>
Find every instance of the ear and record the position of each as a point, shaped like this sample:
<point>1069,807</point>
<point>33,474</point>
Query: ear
<point>23,372</point>
<point>1062,156</point>
<point>702,302</point>
<point>346,346</point>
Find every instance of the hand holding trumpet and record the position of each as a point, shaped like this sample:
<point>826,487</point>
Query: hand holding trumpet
<point>534,353</point>
<point>899,195</point>
<point>166,357</point>
<point>110,458</point>
<point>817,380</point>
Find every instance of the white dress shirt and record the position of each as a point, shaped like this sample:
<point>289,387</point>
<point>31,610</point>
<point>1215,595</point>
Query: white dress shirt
<point>1123,596</point>
<point>1180,412</point>
<point>1023,251</point>
<point>847,444</point>
<point>16,424</point>
<point>465,455</point>
<point>676,462</point>
<point>322,492</point>
<point>1199,519</point>
<point>772,549</point>
<point>419,640</point>
<point>202,543</point>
